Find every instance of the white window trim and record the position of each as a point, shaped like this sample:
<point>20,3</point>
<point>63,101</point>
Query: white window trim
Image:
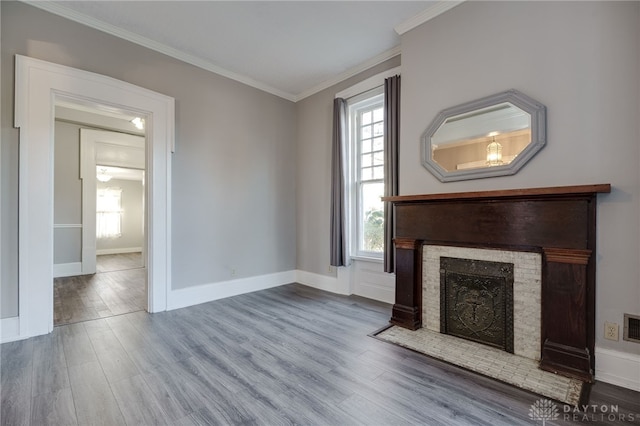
<point>368,84</point>
<point>359,88</point>
<point>356,212</point>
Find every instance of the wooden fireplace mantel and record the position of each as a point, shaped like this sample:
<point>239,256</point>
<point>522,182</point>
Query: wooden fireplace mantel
<point>506,193</point>
<point>559,222</point>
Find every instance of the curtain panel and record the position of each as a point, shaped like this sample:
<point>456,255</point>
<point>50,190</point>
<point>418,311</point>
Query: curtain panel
<point>339,255</point>
<point>391,142</point>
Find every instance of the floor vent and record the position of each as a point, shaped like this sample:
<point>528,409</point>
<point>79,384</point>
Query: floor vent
<point>632,328</point>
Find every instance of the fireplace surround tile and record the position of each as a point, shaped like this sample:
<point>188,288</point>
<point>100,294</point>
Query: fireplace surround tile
<point>526,291</point>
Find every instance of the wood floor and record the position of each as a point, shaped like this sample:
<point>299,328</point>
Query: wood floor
<point>119,287</point>
<point>288,355</point>
<point>118,262</point>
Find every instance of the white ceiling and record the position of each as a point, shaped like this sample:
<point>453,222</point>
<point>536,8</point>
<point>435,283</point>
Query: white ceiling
<point>289,48</point>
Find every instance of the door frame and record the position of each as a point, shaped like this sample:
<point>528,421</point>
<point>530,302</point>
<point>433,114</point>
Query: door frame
<point>39,85</point>
<point>90,142</point>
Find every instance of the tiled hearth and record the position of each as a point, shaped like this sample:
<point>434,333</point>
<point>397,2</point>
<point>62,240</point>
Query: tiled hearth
<point>492,362</point>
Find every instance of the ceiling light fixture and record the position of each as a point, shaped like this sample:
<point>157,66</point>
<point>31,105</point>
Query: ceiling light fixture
<point>103,176</point>
<point>494,151</point>
<point>138,122</point>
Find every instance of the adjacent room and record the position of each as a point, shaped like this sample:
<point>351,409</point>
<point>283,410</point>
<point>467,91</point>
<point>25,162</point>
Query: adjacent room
<point>320,213</point>
<point>99,165</point>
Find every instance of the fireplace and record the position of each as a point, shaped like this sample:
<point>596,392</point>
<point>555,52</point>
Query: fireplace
<point>525,291</point>
<point>557,225</point>
<point>476,301</point>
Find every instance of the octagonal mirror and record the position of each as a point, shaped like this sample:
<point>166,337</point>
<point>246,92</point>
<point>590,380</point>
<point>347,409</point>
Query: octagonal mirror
<point>492,136</point>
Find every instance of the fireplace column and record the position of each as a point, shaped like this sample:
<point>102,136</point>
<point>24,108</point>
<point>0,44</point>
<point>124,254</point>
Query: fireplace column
<point>566,313</point>
<point>407,311</point>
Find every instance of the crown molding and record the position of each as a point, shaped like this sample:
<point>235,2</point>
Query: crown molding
<point>431,12</point>
<point>58,9</point>
<point>378,59</point>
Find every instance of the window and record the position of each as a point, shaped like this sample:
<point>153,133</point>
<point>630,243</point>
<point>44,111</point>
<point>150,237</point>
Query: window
<point>108,213</point>
<point>366,130</point>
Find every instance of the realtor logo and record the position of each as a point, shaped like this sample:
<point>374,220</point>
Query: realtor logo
<point>544,409</point>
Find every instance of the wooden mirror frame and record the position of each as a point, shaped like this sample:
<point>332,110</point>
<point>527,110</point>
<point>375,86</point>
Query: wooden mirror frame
<point>536,110</point>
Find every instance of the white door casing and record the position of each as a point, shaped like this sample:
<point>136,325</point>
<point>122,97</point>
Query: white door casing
<point>38,85</point>
<point>99,147</point>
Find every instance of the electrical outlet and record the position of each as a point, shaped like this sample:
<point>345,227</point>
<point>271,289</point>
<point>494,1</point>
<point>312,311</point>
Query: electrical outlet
<point>330,269</point>
<point>233,272</point>
<point>611,331</point>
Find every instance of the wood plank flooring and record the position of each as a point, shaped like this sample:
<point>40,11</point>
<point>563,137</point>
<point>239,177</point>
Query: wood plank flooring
<point>119,287</point>
<point>287,355</point>
<point>118,262</point>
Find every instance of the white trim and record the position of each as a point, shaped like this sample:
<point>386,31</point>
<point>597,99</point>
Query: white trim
<point>378,59</point>
<point>196,295</point>
<point>60,10</point>
<point>428,14</point>
<point>370,281</point>
<point>368,84</point>
<point>67,269</point>
<point>10,330</point>
<point>99,25</point>
<point>618,368</point>
<point>119,250</point>
<point>38,84</point>
<point>93,144</point>
<point>324,282</point>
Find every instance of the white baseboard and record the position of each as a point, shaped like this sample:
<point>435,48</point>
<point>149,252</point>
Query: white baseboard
<point>119,250</point>
<point>618,368</point>
<point>67,269</point>
<point>370,281</point>
<point>208,292</point>
<point>322,282</point>
<point>10,329</point>
<point>377,292</point>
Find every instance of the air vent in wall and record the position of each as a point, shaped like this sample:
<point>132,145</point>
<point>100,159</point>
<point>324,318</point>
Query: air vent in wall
<point>632,328</point>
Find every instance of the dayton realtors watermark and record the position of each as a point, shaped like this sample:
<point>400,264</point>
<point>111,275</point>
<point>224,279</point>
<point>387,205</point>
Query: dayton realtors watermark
<point>546,410</point>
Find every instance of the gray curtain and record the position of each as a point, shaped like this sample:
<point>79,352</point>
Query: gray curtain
<point>339,256</point>
<point>391,140</point>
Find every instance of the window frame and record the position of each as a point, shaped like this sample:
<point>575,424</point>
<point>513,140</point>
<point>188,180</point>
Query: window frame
<point>110,213</point>
<point>366,100</point>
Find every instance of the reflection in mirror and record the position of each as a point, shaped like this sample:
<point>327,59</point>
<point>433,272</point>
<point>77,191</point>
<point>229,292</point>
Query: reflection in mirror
<point>490,137</point>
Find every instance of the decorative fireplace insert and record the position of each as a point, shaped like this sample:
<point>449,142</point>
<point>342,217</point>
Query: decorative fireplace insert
<point>476,301</point>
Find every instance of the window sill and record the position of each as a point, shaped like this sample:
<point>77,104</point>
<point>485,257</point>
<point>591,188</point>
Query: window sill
<point>368,259</point>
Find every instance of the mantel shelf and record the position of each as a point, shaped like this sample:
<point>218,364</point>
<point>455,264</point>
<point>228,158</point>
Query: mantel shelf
<point>506,193</point>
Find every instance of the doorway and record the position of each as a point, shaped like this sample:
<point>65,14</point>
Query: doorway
<point>99,218</point>
<point>39,86</point>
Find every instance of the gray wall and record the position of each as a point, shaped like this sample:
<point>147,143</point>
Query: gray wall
<point>131,225</point>
<point>234,172</point>
<point>580,59</point>
<point>67,193</point>
<point>315,123</point>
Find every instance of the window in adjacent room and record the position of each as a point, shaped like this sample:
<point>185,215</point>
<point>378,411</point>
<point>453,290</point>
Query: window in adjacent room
<point>108,213</point>
<point>366,130</point>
